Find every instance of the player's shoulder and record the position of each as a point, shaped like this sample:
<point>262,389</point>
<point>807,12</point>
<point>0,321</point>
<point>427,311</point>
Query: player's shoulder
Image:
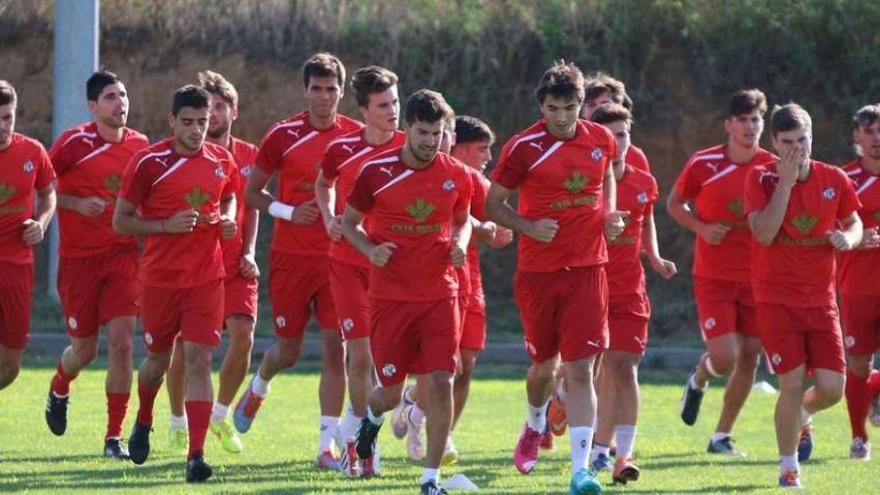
<point>707,155</point>
<point>292,122</point>
<point>85,133</point>
<point>215,152</point>
<point>347,124</point>
<point>828,170</point>
<point>763,157</point>
<point>27,144</point>
<point>135,138</point>
<point>156,152</point>
<point>346,142</point>
<point>240,147</point>
<point>640,176</point>
<point>636,152</point>
<point>535,133</point>
<point>594,131</point>
<point>852,168</point>
<point>382,163</point>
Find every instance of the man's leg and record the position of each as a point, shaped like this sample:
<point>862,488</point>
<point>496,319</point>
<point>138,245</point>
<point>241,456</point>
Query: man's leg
<point>462,385</point>
<point>281,355</point>
<point>80,353</point>
<point>120,333</point>
<point>150,374</point>
<point>858,402</point>
<point>739,385</point>
<point>580,407</point>
<point>437,386</point>
<point>175,385</point>
<point>788,416</point>
<point>233,370</point>
<point>199,394</point>
<point>331,389</point>
<point>10,365</point>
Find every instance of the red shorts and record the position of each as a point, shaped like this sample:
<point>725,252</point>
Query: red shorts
<point>413,337</point>
<point>473,328</point>
<point>628,317</point>
<point>195,313</point>
<point>349,284</point>
<point>16,295</point>
<point>241,296</point>
<point>725,307</point>
<point>563,312</point>
<point>861,322</point>
<point>298,286</point>
<point>795,336</point>
<point>97,289</point>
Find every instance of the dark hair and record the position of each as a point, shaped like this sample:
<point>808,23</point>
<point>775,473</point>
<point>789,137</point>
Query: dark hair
<point>789,117</point>
<point>323,65</point>
<point>426,106</point>
<point>189,96</point>
<point>866,116</point>
<point>369,80</point>
<point>607,114</point>
<point>469,129</point>
<point>601,83</point>
<point>7,93</point>
<point>97,82</point>
<point>562,80</point>
<point>746,101</point>
<point>216,84</point>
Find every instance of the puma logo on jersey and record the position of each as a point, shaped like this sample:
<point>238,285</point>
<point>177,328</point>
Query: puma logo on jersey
<point>594,343</point>
<point>537,145</point>
<point>386,170</point>
<point>348,148</point>
<point>91,143</point>
<point>293,133</point>
<point>163,161</point>
<point>713,166</point>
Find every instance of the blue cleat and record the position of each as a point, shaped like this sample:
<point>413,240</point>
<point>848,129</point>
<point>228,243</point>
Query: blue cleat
<point>246,409</point>
<point>805,445</point>
<point>790,479</point>
<point>584,482</point>
<point>602,463</point>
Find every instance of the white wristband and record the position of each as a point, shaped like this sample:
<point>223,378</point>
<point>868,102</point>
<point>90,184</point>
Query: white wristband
<point>280,210</point>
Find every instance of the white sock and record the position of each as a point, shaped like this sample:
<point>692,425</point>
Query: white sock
<point>581,440</point>
<point>693,385</point>
<point>177,422</point>
<point>220,412</point>
<point>788,463</point>
<point>376,420</point>
<point>806,417</point>
<point>429,475</point>
<point>329,424</point>
<point>349,426</point>
<point>719,435</point>
<point>537,419</point>
<point>260,386</point>
<point>626,437</point>
<point>449,445</point>
<point>416,416</point>
<point>598,450</point>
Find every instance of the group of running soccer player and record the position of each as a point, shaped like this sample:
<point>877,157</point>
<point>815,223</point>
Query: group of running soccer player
<point>376,234</point>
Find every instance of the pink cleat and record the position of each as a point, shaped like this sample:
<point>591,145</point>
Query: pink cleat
<point>526,454</point>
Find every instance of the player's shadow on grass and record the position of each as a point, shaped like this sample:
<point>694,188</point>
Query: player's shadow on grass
<point>702,489</point>
<point>659,465</point>
<point>120,477</point>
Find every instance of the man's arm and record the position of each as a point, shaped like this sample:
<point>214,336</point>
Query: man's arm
<point>90,206</point>
<point>461,236</point>
<point>651,247</point>
<point>256,196</point>
<point>614,224</point>
<point>227,217</point>
<point>250,223</point>
<point>353,230</point>
<point>500,212</point>
<point>325,198</point>
<point>851,235</point>
<point>35,229</point>
<point>127,222</point>
<point>680,211</point>
<point>765,223</point>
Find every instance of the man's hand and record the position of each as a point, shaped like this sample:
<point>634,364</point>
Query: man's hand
<point>334,228</point>
<point>247,267</point>
<point>615,223</point>
<point>789,166</point>
<point>664,268</point>
<point>502,237</point>
<point>305,213</point>
<point>181,222</point>
<point>713,233</point>
<point>228,227</point>
<point>457,255</point>
<point>91,206</point>
<point>840,241</point>
<point>870,239</point>
<point>33,232</point>
<point>543,230</point>
<point>380,254</point>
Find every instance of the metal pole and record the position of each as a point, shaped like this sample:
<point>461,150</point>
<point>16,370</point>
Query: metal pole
<point>76,58</point>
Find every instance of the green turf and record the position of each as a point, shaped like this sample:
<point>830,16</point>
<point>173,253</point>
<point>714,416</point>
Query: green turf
<point>279,449</point>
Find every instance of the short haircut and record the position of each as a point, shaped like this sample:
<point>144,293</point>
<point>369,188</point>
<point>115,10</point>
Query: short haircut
<point>746,101</point>
<point>323,65</point>
<point>369,80</point>
<point>189,96</point>
<point>7,93</point>
<point>600,83</point>
<point>470,129</point>
<point>789,117</point>
<point>426,106</point>
<point>216,84</point>
<point>561,80</point>
<point>97,82</point>
<point>614,112</point>
<point>866,116</point>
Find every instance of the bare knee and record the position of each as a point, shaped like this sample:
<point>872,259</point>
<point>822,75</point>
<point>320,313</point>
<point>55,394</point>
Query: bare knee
<point>288,351</point>
<point>85,351</point>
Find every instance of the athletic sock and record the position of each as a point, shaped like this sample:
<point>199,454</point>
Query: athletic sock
<point>61,382</point>
<point>581,440</point>
<point>429,475</point>
<point>198,412</point>
<point>537,418</point>
<point>146,398</point>
<point>117,407</point>
<point>349,426</point>
<point>328,427</point>
<point>719,435</point>
<point>625,435</point>
<point>806,417</point>
<point>260,386</point>
<point>178,422</point>
<point>219,412</point>
<point>858,402</point>
<point>788,463</point>
<point>376,420</point>
<point>599,449</point>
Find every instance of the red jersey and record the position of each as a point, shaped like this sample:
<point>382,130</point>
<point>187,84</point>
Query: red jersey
<point>87,165</point>
<point>161,183</point>
<point>414,210</point>
<point>797,269</point>
<point>560,179</point>
<point>637,158</point>
<point>24,168</point>
<point>636,193</point>
<point>478,210</point>
<point>245,155</point>
<point>342,161</point>
<point>715,186</point>
<point>293,149</point>
<point>860,269</point>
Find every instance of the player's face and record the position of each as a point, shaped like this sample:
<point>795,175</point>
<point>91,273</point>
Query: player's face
<point>475,154</point>
<point>868,139</point>
<point>190,127</point>
<point>7,124</point>
<point>423,139</point>
<point>561,115</point>
<point>383,110</point>
<point>448,140</point>
<point>222,116</point>
<point>745,130</point>
<point>111,107</point>
<point>620,129</point>
<point>798,138</point>
<point>600,101</point>
<point>323,95</point>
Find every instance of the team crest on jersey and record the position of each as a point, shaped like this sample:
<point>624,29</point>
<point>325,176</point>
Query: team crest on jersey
<point>246,171</point>
<point>776,359</point>
<point>347,324</point>
<point>642,198</point>
<point>596,154</point>
<point>389,370</point>
<point>709,324</point>
<point>849,341</point>
<point>449,185</point>
<point>829,193</point>
<point>28,166</point>
<point>281,322</point>
<point>218,172</point>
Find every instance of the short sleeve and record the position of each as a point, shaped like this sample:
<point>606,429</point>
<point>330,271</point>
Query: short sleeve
<point>361,198</point>
<point>849,200</point>
<point>686,185</point>
<point>466,194</point>
<point>329,164</point>
<point>511,170</point>
<point>62,157</point>
<point>269,154</point>
<point>756,192</point>
<point>45,173</point>
<point>136,181</point>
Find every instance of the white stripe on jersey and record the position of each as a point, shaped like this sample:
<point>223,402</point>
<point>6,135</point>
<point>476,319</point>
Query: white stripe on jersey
<point>406,173</point>
<point>356,155</point>
<point>90,135</point>
<point>295,123</point>
<point>727,170</point>
<point>103,148</point>
<point>855,171</point>
<point>344,140</point>
<point>171,170</point>
<point>868,183</point>
<point>714,156</point>
<point>556,146</point>
<point>380,161</point>
<point>301,141</point>
<point>153,155</point>
<point>530,137</point>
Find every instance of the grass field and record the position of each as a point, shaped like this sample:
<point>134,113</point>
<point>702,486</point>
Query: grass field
<point>279,449</point>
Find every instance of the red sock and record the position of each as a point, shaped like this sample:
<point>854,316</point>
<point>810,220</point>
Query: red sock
<point>61,381</point>
<point>874,383</point>
<point>117,406</point>
<point>198,414</point>
<point>146,395</point>
<point>858,399</point>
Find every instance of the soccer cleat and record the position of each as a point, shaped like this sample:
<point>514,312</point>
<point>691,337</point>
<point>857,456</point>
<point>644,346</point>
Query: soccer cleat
<point>548,441</point>
<point>450,454</point>
<point>370,466</point>
<point>860,449</point>
<point>415,447</point>
<point>805,445</point>
<point>874,412</point>
<point>690,403</point>
<point>225,432</point>
<point>56,413</point>
<point>327,460</point>
<point>725,446</point>
<point>601,463</point>
<point>625,471</point>
<point>584,482</point>
<point>197,470</point>
<point>526,454</point>
<point>790,479</point>
<point>348,461</point>
<point>246,409</point>
<point>557,419</point>
<point>399,423</point>
<point>114,449</point>
<point>139,443</point>
<point>366,438</point>
<point>178,441</point>
<point>431,488</point>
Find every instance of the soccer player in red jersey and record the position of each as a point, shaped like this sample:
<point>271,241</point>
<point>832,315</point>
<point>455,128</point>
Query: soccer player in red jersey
<point>375,89</point>
<point>97,277</point>
<point>628,307</point>
<point>859,274</point>
<point>240,284</point>
<point>26,174</point>
<point>708,200</point>
<point>602,89</point>
<point>180,195</point>
<point>298,263</point>
<point>801,212</point>
<point>416,204</point>
<point>567,205</point>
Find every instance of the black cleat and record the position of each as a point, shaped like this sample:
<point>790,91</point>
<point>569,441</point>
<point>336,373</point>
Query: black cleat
<point>366,438</point>
<point>431,488</point>
<point>690,404</point>
<point>56,413</point>
<point>197,470</point>
<point>114,449</point>
<point>139,443</point>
